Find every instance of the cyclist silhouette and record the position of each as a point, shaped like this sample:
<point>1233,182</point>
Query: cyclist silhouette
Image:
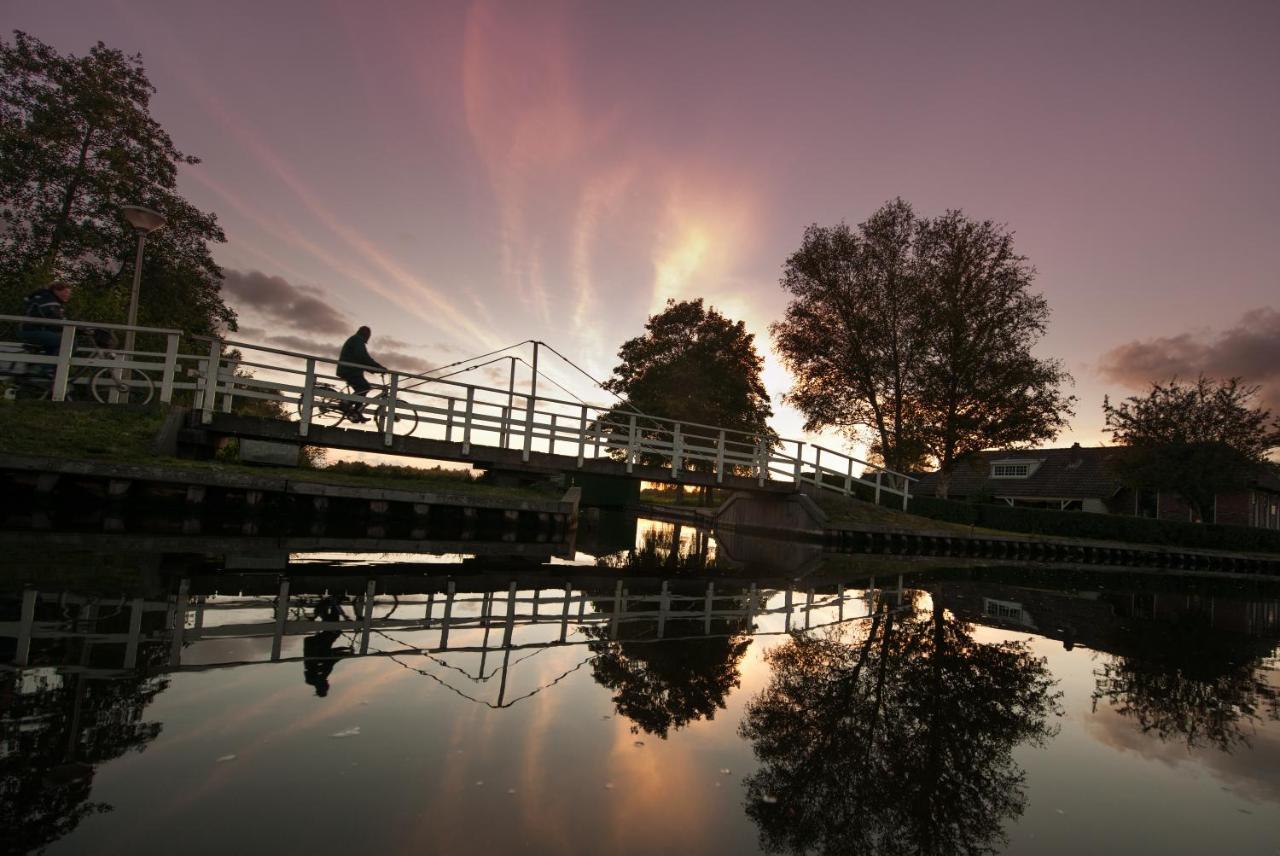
<point>352,362</point>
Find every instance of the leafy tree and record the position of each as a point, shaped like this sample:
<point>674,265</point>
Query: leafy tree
<point>919,330</point>
<point>898,739</point>
<point>77,141</point>
<point>691,365</point>
<point>1195,440</point>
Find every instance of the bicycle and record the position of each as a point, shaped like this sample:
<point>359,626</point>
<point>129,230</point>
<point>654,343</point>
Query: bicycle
<point>330,409</point>
<point>105,383</point>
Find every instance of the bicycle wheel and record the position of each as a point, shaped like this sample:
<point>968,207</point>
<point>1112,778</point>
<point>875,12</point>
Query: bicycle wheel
<point>406,420</point>
<point>326,407</point>
<point>128,385</point>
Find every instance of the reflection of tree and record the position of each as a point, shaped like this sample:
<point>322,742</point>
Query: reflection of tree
<point>897,740</point>
<point>1184,680</point>
<point>666,683</point>
<point>55,730</point>
<point>663,551</point>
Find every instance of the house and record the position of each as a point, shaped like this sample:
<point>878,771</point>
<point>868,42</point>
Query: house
<point>1080,478</point>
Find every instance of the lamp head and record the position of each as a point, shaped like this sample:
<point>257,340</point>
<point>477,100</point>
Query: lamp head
<point>144,220</point>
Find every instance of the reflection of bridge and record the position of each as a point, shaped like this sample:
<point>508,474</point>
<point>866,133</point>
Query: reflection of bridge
<point>487,427</point>
<point>472,616</point>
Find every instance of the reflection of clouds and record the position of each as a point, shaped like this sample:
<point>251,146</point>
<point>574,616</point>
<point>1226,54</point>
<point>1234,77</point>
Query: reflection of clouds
<point>1252,772</point>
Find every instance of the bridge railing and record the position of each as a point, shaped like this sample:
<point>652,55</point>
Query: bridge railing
<point>221,372</point>
<point>79,364</point>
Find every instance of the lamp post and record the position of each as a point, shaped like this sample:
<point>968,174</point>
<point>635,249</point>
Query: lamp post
<point>144,221</point>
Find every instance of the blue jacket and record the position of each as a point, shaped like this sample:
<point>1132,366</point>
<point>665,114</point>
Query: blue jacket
<point>43,304</point>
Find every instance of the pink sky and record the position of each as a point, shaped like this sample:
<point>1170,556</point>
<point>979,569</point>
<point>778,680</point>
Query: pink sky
<point>461,176</point>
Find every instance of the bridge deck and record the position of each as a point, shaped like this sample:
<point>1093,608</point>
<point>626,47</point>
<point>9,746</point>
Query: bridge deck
<point>479,456</point>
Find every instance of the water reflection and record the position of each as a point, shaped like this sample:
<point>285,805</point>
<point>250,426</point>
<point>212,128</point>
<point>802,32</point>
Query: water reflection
<point>1182,680</point>
<point>894,738</point>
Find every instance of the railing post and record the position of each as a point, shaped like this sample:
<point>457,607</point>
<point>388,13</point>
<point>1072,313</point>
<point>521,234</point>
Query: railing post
<point>720,457</point>
<point>228,394</point>
<point>466,425</point>
<point>906,491</point>
<point>762,463</point>
<point>210,393</point>
<point>448,422</point>
<point>879,474</point>
<point>817,465</point>
<point>582,436</point>
<point>677,449</point>
<point>555,428</point>
<point>631,443</point>
<point>26,627</point>
<point>170,368</point>
<point>529,407</point>
<point>308,398</point>
<point>62,371</point>
<point>799,462</point>
<point>848,479</point>
<point>389,411</point>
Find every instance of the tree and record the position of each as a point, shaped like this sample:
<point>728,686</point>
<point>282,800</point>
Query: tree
<point>920,331</point>
<point>691,365</point>
<point>1195,440</point>
<point>895,739</point>
<point>77,141</point>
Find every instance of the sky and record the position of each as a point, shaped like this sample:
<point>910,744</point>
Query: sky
<point>461,176</point>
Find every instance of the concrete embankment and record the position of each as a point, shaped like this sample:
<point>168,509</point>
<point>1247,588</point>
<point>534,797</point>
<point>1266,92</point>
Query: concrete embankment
<point>174,507</point>
<point>797,518</point>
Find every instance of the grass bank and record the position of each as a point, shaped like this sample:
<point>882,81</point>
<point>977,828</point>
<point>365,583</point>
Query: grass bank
<point>120,434</point>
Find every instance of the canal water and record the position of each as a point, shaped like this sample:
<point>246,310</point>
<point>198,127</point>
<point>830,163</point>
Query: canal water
<point>660,697</point>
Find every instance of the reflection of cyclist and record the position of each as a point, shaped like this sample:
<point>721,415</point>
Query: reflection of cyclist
<point>49,302</point>
<point>319,655</point>
<point>352,361</point>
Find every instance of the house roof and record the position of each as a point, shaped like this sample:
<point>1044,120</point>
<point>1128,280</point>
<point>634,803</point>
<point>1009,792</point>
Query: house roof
<point>1078,472</point>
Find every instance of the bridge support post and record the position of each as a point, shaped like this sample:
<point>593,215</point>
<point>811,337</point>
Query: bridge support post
<point>531,401</point>
<point>209,389</point>
<point>799,476</point>
<point>389,411</point>
<point>631,444</point>
<point>466,423</point>
<point>677,450</point>
<point>879,474</point>
<point>582,436</point>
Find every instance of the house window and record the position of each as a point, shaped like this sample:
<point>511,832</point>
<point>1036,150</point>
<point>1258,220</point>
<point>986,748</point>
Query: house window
<point>1003,609</point>
<point>1010,471</point>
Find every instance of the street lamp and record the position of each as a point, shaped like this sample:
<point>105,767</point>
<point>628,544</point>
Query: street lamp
<point>144,221</point>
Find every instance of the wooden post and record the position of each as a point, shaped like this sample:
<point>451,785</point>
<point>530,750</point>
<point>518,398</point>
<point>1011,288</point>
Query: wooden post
<point>848,479</point>
<point>511,615</point>
<point>531,405</point>
<point>707,608</point>
<point>308,397</point>
<point>170,368</point>
<point>564,615</point>
<point>906,492</point>
<point>448,614</point>
<point>555,428</point>
<point>753,604</point>
<point>762,463</point>
<point>582,436</point>
<point>282,615</point>
<point>210,385</point>
<point>617,610</point>
<point>676,451</point>
<point>180,623</point>
<point>448,422</point>
<point>389,410</point>
<point>506,412</point>
<point>26,627</point>
<point>787,606</point>
<point>879,473</point>
<point>466,425</point>
<point>631,443</point>
<point>799,475</point>
<point>663,603</point>
<point>817,466</point>
<point>62,370</point>
<point>135,631</point>
<point>720,457</point>
<point>370,591</point>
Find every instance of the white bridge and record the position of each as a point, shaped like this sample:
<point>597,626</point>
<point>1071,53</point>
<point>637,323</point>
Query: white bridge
<point>427,415</point>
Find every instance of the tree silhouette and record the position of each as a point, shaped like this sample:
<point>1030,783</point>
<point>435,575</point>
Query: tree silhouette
<point>1183,680</point>
<point>897,739</point>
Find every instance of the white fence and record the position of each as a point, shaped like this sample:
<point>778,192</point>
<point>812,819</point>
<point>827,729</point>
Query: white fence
<point>307,389</point>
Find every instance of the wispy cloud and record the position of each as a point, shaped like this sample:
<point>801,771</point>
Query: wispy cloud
<point>1250,350</point>
<point>302,307</point>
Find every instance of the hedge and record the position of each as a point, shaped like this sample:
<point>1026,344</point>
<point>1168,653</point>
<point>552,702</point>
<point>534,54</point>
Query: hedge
<point>1099,527</point>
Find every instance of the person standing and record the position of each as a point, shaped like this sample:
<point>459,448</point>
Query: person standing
<point>352,363</point>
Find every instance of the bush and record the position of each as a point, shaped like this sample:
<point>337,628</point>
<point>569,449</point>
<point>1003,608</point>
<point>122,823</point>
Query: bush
<point>1100,527</point>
